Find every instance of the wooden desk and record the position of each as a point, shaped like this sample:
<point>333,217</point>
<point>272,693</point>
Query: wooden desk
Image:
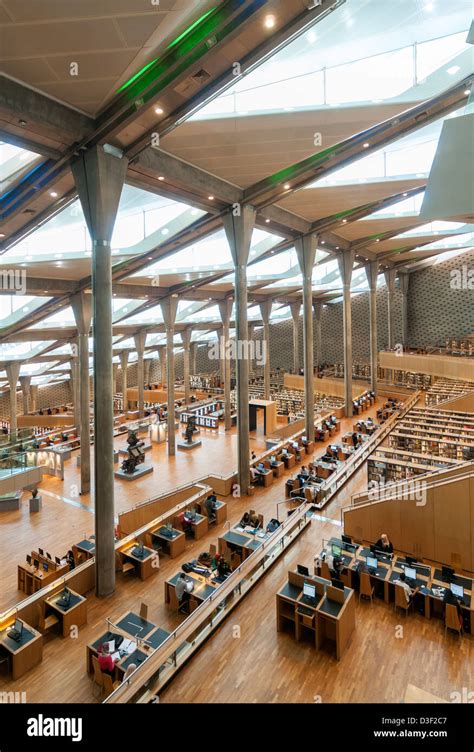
<point>236,540</point>
<point>25,653</point>
<point>289,460</point>
<point>132,625</point>
<point>146,565</point>
<point>74,615</point>
<point>200,525</point>
<point>171,546</point>
<point>277,468</point>
<point>85,547</point>
<point>267,476</point>
<point>220,511</point>
<point>203,587</point>
<point>30,579</point>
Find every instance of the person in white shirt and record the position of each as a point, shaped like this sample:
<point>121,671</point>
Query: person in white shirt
<point>409,591</point>
<point>183,588</point>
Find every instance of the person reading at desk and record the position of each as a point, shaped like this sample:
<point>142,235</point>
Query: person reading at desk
<point>210,505</point>
<point>183,588</point>
<point>384,544</point>
<point>409,591</point>
<point>106,662</point>
<point>335,564</point>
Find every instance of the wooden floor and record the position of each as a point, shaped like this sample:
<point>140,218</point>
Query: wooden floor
<point>260,665</point>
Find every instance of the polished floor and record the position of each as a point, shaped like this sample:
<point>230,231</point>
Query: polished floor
<point>260,665</point>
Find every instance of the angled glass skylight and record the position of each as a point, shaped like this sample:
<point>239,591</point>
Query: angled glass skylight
<point>15,164</point>
<point>407,207</point>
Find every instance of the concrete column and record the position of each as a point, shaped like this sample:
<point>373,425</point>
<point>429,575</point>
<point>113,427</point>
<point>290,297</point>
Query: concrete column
<point>140,340</point>
<point>99,176</point>
<point>169,308</point>
<point>225,310</point>
<point>75,383</point>
<point>404,278</point>
<point>318,307</point>
<point>163,366</point>
<point>222,357</point>
<point>346,265</point>
<point>147,369</point>
<point>295,309</point>
<point>239,231</point>
<point>186,340</point>
<point>25,382</point>
<point>194,349</point>
<point>306,247</point>
<point>372,271</point>
<point>81,304</point>
<point>115,367</point>
<point>34,397</point>
<point>266,312</point>
<point>13,372</point>
<point>124,367</point>
<point>390,277</point>
<point>251,335</point>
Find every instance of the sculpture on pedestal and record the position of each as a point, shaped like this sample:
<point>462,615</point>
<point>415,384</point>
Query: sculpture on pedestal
<point>136,455</point>
<point>190,429</point>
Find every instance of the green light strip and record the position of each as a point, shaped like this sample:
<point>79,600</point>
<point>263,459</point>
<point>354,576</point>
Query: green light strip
<point>137,75</point>
<point>190,28</point>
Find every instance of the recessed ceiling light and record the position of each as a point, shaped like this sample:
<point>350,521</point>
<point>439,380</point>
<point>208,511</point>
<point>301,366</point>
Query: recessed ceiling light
<point>269,21</point>
<point>366,145</point>
<point>53,194</point>
<point>467,92</point>
<point>159,110</point>
<point>337,248</point>
<point>377,240</point>
<point>165,231</point>
<point>405,194</point>
<point>211,198</point>
<point>323,242</point>
<point>161,177</point>
<point>287,186</point>
<point>453,69</point>
<point>2,234</point>
<point>267,221</point>
<point>344,221</point>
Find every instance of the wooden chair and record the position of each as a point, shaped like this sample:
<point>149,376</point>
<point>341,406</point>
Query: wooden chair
<point>401,600</point>
<point>144,611</point>
<point>98,677</point>
<point>45,622</point>
<point>451,619</point>
<point>325,570</point>
<point>260,521</point>
<point>108,685</point>
<point>366,587</point>
<point>127,566</point>
<point>212,550</point>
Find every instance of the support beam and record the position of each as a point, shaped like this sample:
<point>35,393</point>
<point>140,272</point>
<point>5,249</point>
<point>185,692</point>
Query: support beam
<point>346,265</point>
<point>225,310</point>
<point>251,335</point>
<point>25,382</point>
<point>318,307</point>
<point>99,177</point>
<point>390,277</point>
<point>266,312</point>
<point>186,340</point>
<point>194,349</point>
<point>124,366</point>
<point>306,252</point>
<point>81,305</point>
<point>295,309</point>
<point>140,341</point>
<point>169,308</point>
<point>163,366</point>
<point>404,278</point>
<point>115,367</point>
<point>239,231</point>
<point>13,372</point>
<point>372,271</point>
<point>34,397</point>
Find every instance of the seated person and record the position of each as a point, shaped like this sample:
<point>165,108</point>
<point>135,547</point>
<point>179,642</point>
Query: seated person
<point>384,544</point>
<point>106,662</point>
<point>256,475</point>
<point>303,473</point>
<point>205,559</point>
<point>253,520</point>
<point>70,559</point>
<point>335,564</point>
<point>245,521</point>
<point>409,591</point>
<point>452,600</point>
<point>184,587</point>
<point>223,568</point>
<point>304,441</point>
<point>273,460</point>
<point>355,440</point>
<point>185,522</point>
<point>210,506</point>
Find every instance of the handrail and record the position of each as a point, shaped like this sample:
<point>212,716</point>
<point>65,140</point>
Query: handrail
<point>335,481</point>
<point>151,665</point>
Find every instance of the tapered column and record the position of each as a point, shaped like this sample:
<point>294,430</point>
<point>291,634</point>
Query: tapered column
<point>222,356</point>
<point>115,367</point>
<point>225,310</point>
<point>124,368</point>
<point>25,382</point>
<point>346,264</point>
<point>163,366</point>
<point>169,308</point>
<point>295,309</point>
<point>140,340</point>
<point>306,252</point>
<point>266,312</point>
<point>34,397</point>
<point>404,278</point>
<point>251,335</point>
<point>81,304</point>
<point>239,231</point>
<point>194,349</point>
<point>99,177</point>
<point>75,383</point>
<point>372,270</point>
<point>13,372</point>
<point>186,340</point>
<point>318,307</point>
<point>390,277</point>
<point>147,369</point>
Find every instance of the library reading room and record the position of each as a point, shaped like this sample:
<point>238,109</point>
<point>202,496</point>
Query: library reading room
<point>237,355</point>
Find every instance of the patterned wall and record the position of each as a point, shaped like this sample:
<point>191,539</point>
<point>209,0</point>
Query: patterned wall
<point>50,395</point>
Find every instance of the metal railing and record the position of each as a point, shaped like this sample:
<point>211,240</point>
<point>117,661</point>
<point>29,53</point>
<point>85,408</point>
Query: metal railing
<point>149,670</point>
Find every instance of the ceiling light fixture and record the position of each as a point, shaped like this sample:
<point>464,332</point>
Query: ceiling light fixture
<point>269,22</point>
<point>53,194</point>
<point>405,194</point>
<point>366,145</point>
<point>211,198</point>
<point>467,92</point>
<point>453,69</point>
<point>287,186</point>
<point>159,110</point>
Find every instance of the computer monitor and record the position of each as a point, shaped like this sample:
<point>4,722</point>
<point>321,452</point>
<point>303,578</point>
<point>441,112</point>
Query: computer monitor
<point>309,590</point>
<point>336,550</point>
<point>410,573</point>
<point>302,570</point>
<point>36,563</point>
<point>18,625</point>
<point>273,458</point>
<point>57,560</point>
<point>338,584</point>
<point>457,590</point>
<point>447,572</point>
<point>45,566</point>
<point>41,552</point>
<point>410,560</point>
<point>346,538</point>
<point>261,466</point>
<point>372,562</point>
<point>48,556</point>
<point>28,559</point>
<point>373,549</point>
